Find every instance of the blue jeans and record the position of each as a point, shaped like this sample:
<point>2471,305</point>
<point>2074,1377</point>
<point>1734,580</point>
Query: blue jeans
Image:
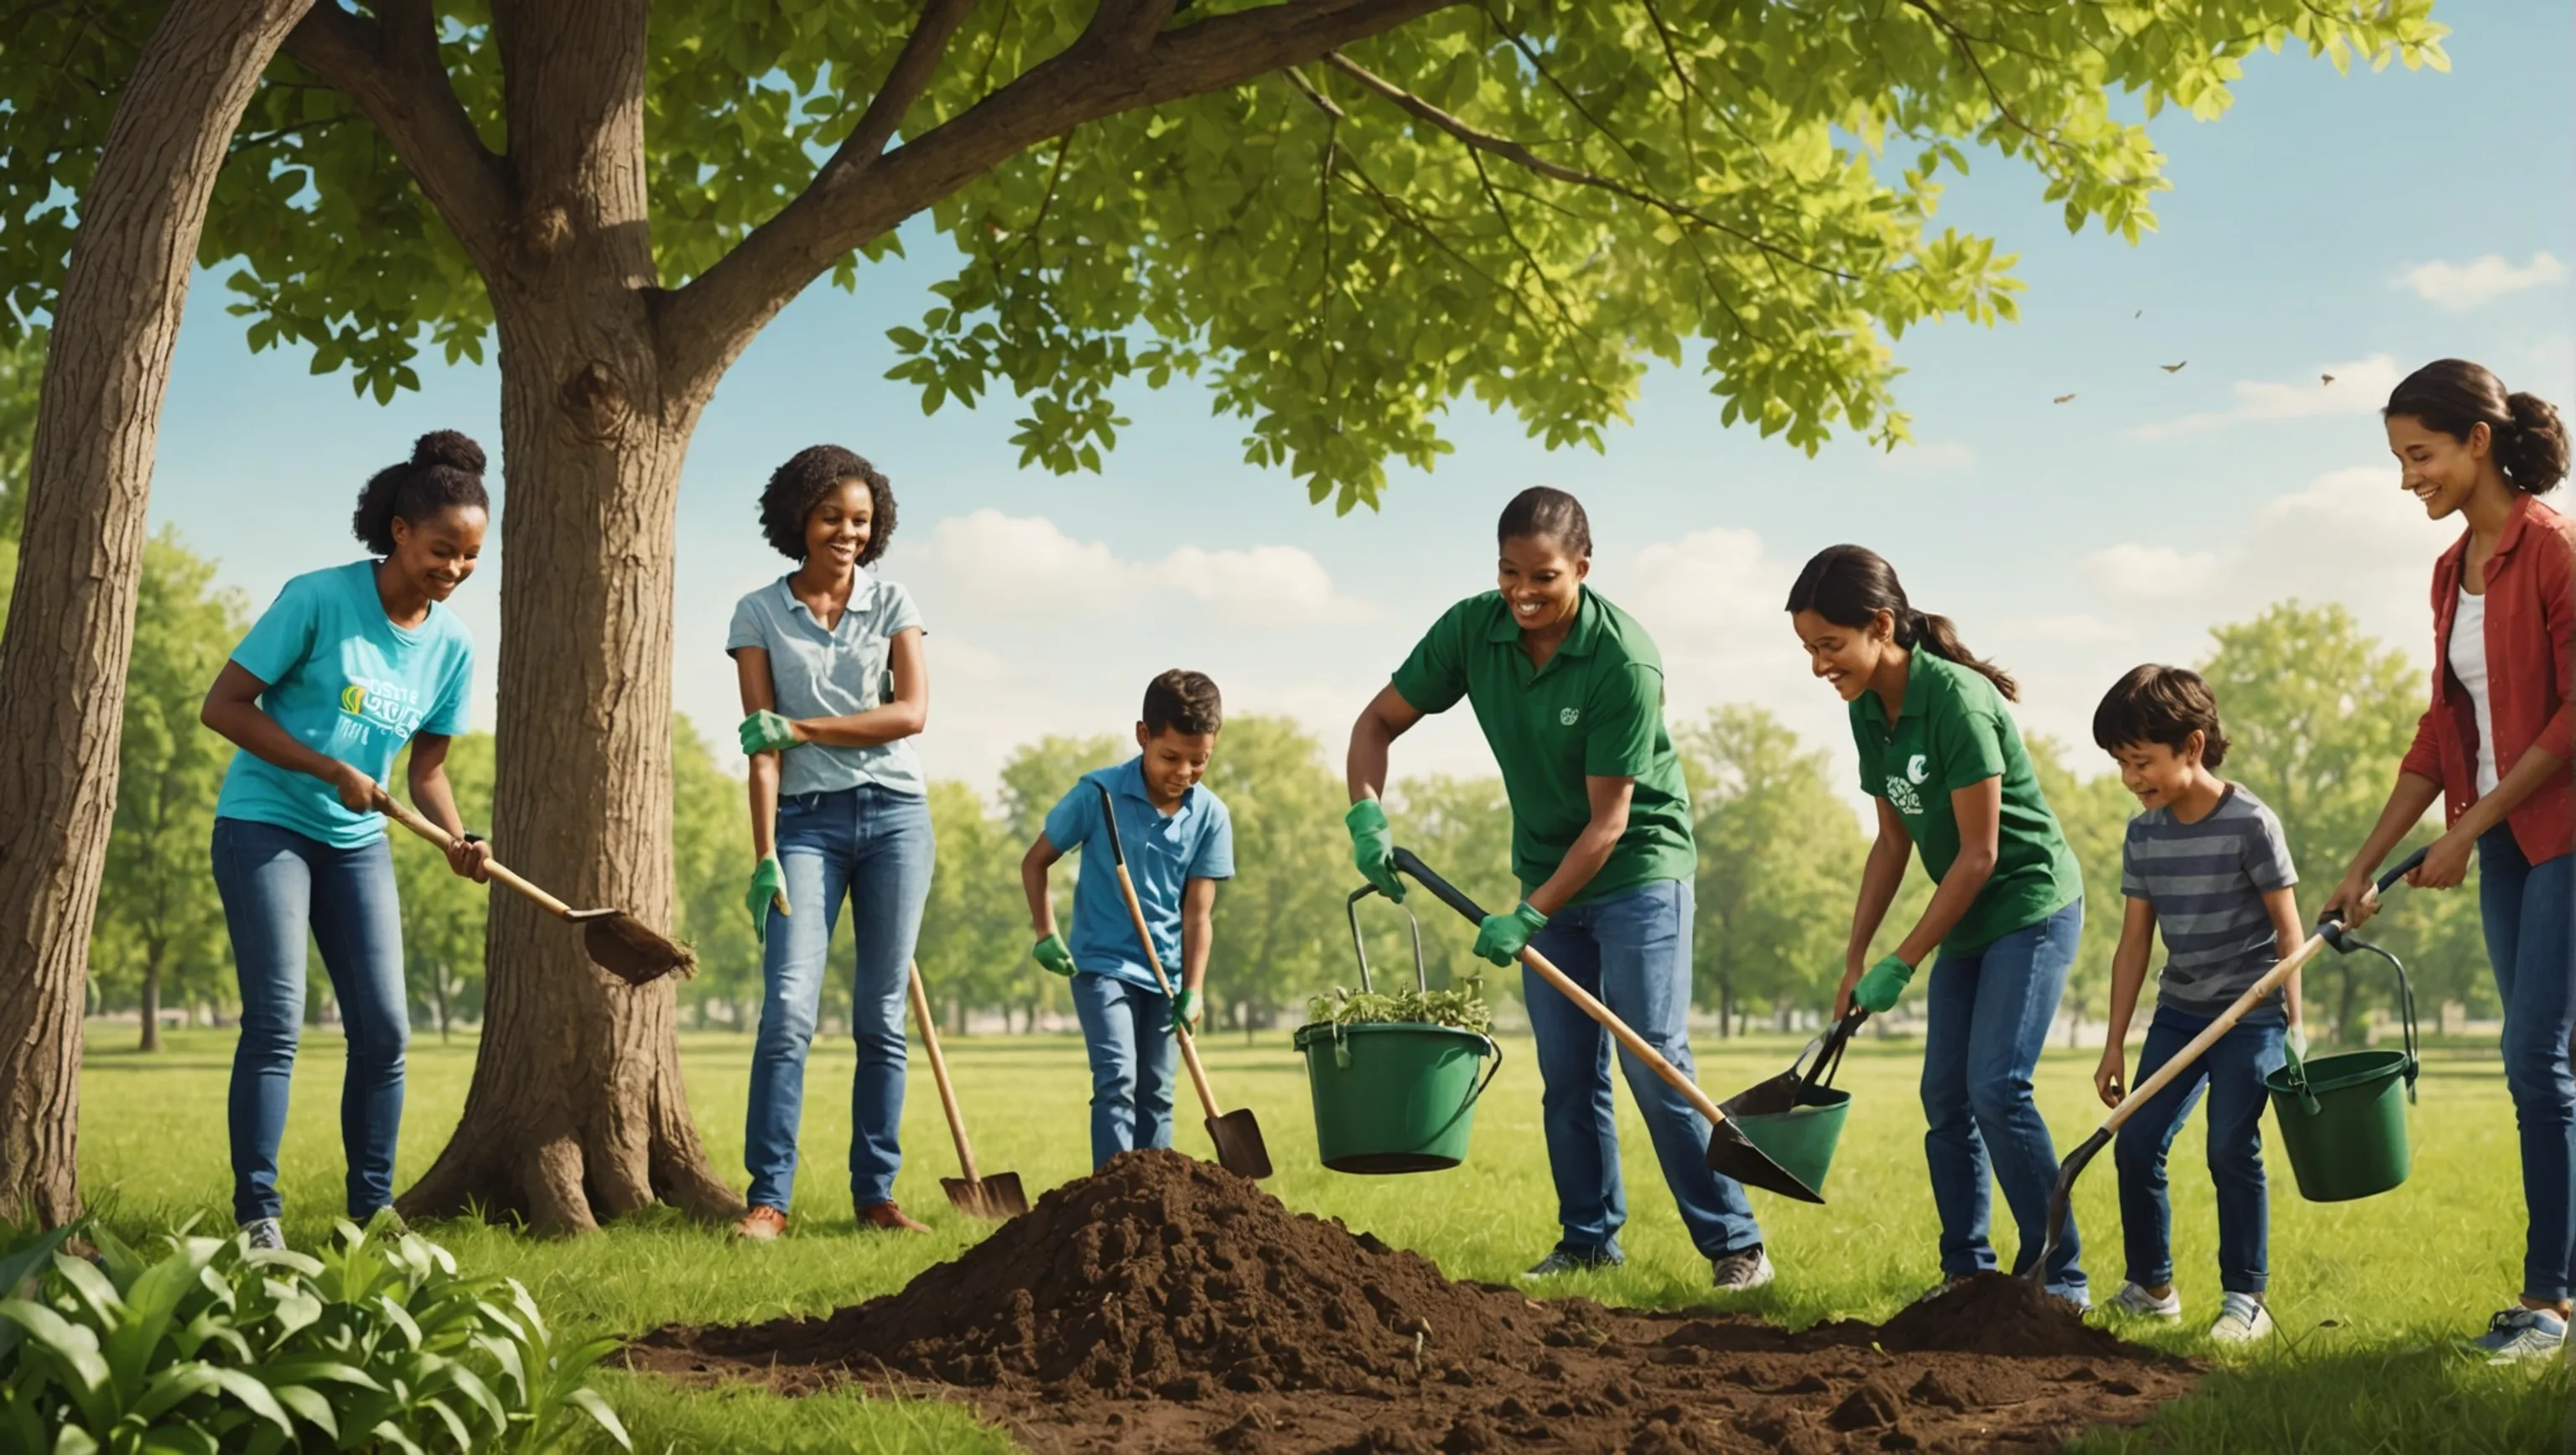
<point>273,882</point>
<point>1986,1016</point>
<point>2527,910</point>
<point>1127,1030</point>
<point>2232,1071</point>
<point>875,846</point>
<point>1632,951</point>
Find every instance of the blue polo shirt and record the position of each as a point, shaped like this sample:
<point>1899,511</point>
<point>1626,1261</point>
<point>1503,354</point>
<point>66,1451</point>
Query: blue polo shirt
<point>1163,854</point>
<point>840,672</point>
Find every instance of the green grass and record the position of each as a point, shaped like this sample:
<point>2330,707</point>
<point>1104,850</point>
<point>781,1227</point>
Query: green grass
<point>2368,1294</point>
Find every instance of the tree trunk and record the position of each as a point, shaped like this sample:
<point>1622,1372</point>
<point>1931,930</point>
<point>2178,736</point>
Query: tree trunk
<point>438,989</point>
<point>97,424</point>
<point>151,999</point>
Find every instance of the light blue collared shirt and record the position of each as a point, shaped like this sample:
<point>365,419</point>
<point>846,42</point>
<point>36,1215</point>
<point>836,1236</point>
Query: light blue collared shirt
<point>837,673</point>
<point>1164,853</point>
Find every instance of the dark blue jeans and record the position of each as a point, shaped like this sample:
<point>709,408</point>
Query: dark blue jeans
<point>1986,1017</point>
<point>1632,951</point>
<point>275,881</point>
<point>2232,1072</point>
<point>874,846</point>
<point>2527,908</point>
<point>1127,1030</point>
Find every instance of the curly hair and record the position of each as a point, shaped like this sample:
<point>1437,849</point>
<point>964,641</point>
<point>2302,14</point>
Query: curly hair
<point>445,470</point>
<point>798,486</point>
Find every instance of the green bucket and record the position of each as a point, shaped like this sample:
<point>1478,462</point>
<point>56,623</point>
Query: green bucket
<point>1801,1139</point>
<point>1395,1096</point>
<point>2343,1117</point>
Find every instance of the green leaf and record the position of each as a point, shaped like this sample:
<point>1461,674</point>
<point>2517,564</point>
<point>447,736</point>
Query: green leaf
<point>255,1397</point>
<point>593,1404</point>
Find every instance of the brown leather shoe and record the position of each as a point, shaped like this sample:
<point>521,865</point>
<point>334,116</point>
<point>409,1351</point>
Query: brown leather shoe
<point>889,1217</point>
<point>761,1225</point>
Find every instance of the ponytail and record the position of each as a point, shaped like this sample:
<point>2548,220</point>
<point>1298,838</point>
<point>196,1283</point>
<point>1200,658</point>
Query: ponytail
<point>2455,396</point>
<point>1850,585</point>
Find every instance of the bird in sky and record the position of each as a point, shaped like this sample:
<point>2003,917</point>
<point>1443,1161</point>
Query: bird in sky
<point>2173,368</point>
<point>2061,399</point>
<point>2324,379</point>
<point>2141,313</point>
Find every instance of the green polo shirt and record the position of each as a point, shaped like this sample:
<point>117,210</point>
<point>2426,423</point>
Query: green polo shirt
<point>1596,710</point>
<point>1954,732</point>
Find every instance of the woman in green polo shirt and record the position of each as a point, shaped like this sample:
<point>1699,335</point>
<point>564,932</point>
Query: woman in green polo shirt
<point>1940,754</point>
<point>1570,693</point>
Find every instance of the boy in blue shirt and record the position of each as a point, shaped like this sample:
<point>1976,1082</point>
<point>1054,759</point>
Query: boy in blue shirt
<point>1179,842</point>
<point>2207,864</point>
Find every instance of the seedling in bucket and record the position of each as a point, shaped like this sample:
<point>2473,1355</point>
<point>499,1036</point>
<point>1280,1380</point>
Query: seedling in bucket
<point>2330,932</point>
<point>1730,1152</point>
<point>1394,1077</point>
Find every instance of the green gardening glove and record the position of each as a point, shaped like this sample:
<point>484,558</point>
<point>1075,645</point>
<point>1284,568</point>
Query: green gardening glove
<point>766,732</point>
<point>768,887</point>
<point>1373,847</point>
<point>1501,937</point>
<point>1185,1012</point>
<point>1881,984</point>
<point>1053,956</point>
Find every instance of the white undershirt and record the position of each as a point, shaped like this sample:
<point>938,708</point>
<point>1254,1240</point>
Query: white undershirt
<point>2469,664</point>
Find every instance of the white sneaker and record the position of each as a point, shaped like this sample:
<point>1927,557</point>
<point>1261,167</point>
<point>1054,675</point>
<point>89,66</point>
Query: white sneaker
<point>1742,1271</point>
<point>2242,1319</point>
<point>265,1234</point>
<point>2520,1334</point>
<point>2137,1303</point>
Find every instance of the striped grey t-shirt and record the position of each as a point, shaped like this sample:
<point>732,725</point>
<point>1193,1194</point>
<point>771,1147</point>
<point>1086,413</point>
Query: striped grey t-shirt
<point>2207,881</point>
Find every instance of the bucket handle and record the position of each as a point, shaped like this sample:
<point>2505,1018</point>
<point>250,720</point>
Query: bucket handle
<point>1491,1072</point>
<point>1421,976</point>
<point>1829,1057</point>
<point>2405,1003</point>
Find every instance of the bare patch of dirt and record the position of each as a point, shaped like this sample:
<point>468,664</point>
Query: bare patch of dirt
<point>1164,1304</point>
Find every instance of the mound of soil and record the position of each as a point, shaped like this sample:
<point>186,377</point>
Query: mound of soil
<point>1164,1304</point>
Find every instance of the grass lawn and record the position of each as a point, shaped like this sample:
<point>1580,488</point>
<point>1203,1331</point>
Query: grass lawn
<point>2367,1294</point>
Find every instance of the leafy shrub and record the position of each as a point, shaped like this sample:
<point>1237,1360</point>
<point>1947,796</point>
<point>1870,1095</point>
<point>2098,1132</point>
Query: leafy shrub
<point>1461,1005</point>
<point>377,1345</point>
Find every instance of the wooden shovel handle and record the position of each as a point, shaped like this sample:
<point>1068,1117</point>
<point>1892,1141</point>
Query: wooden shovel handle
<point>2182,1060</point>
<point>1189,1047</point>
<point>1619,1029</point>
<point>939,1074</point>
<point>410,818</point>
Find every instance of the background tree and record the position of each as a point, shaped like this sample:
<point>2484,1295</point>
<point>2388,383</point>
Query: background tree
<point>974,946</point>
<point>1780,857</point>
<point>1281,931</point>
<point>1462,827</point>
<point>711,867</point>
<point>2095,813</point>
<point>159,917</point>
<point>22,370</point>
<point>1530,198</point>
<point>143,175</point>
<point>443,917</point>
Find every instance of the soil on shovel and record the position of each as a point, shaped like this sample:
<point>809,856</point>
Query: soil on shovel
<point>1165,1304</point>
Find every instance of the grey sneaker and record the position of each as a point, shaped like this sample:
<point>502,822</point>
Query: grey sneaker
<point>2520,1334</point>
<point>1743,1270</point>
<point>265,1235</point>
<point>1575,1260</point>
<point>2137,1303</point>
<point>2242,1319</point>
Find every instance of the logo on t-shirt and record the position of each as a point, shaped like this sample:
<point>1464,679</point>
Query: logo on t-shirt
<point>1915,769</point>
<point>1569,716</point>
<point>1902,794</point>
<point>390,706</point>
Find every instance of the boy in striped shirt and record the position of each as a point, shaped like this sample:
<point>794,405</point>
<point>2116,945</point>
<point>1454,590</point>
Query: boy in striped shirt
<point>2206,863</point>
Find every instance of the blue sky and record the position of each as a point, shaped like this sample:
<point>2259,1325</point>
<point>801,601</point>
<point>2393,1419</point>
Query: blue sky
<point>2358,225</point>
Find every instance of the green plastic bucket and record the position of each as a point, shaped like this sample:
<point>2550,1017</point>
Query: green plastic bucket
<point>2343,1117</point>
<point>1397,1096</point>
<point>1801,1139</point>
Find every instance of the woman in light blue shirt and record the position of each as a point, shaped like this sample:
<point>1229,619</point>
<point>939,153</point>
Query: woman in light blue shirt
<point>836,686</point>
<point>343,668</point>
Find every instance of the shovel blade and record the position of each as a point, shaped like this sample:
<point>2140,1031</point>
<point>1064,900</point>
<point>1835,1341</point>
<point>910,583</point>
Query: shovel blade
<point>1239,1148</point>
<point>997,1197</point>
<point>1732,1154</point>
<point>1764,1098</point>
<point>631,950</point>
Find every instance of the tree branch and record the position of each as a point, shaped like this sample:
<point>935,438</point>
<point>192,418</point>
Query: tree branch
<point>1123,62</point>
<point>393,73</point>
<point>910,75</point>
<point>1521,156</point>
<point>1959,39</point>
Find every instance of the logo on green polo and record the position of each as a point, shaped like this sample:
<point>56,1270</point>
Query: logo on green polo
<point>1902,794</point>
<point>1569,716</point>
<point>1915,769</point>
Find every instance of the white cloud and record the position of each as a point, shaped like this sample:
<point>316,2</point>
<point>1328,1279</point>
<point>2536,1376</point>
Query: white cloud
<point>994,564</point>
<point>2356,386</point>
<point>2136,571</point>
<point>1264,586</point>
<point>2460,287</point>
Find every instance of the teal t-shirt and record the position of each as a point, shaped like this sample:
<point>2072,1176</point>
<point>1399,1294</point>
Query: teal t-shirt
<point>346,682</point>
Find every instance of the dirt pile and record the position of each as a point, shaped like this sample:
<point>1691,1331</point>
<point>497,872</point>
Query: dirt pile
<point>1164,1304</point>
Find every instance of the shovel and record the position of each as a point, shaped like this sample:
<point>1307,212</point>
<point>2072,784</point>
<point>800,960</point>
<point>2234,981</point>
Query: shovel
<point>2329,933</point>
<point>1239,1148</point>
<point>996,1197</point>
<point>1730,1152</point>
<point>616,941</point>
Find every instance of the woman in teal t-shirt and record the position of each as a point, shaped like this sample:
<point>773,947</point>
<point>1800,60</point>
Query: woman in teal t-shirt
<point>1940,755</point>
<point>346,666</point>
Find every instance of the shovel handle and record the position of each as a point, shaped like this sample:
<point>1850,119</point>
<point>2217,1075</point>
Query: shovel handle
<point>1153,958</point>
<point>410,818</point>
<point>1449,894</point>
<point>939,1073</point>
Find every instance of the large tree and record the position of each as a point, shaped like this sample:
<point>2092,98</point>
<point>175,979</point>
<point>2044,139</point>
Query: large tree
<point>1344,214</point>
